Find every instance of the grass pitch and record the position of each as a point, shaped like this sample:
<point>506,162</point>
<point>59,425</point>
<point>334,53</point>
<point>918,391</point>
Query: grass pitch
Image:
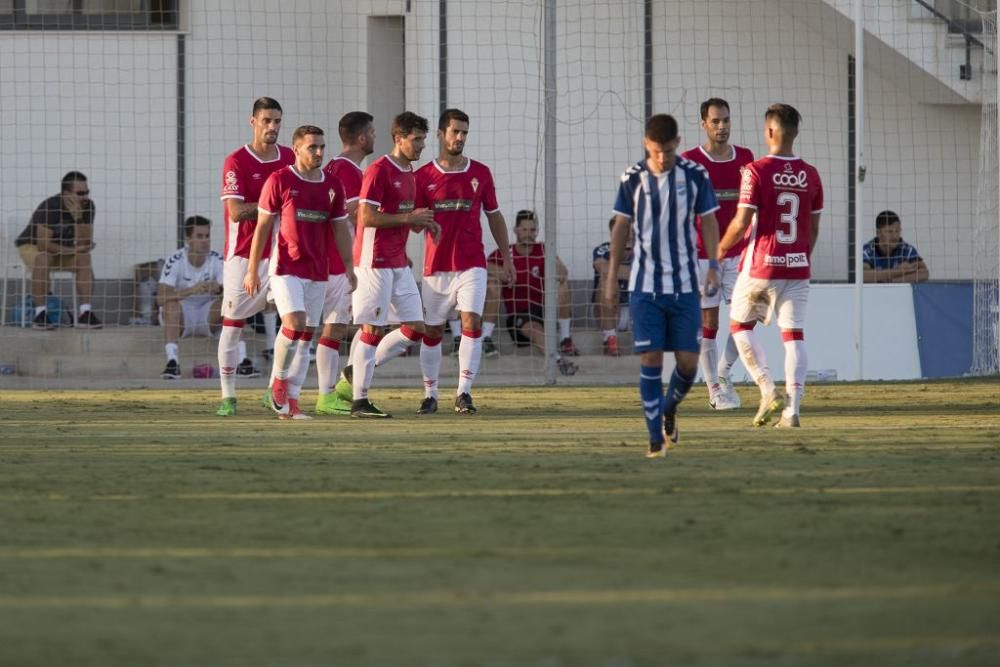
<point>140,529</point>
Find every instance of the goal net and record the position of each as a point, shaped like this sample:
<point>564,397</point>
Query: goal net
<point>146,98</point>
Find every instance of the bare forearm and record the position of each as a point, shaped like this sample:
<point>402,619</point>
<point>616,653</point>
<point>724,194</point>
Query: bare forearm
<point>372,217</point>
<point>240,210</point>
<point>342,237</point>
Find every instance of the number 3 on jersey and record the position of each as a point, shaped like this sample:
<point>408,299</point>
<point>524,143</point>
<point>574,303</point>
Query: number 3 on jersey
<point>789,217</point>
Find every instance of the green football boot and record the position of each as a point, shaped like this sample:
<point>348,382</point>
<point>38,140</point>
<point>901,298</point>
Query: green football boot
<point>228,408</point>
<point>331,404</point>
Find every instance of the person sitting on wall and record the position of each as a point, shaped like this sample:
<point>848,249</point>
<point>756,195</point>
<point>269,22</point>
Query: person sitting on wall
<point>888,258</point>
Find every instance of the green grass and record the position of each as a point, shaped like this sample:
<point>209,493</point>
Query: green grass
<point>140,529</point>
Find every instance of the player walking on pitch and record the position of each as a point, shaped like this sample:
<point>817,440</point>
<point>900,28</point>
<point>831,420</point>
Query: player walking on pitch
<point>357,134</point>
<point>456,189</point>
<point>781,199</point>
<point>306,201</point>
<point>386,214</point>
<point>724,163</point>
<point>243,175</point>
<point>660,196</point>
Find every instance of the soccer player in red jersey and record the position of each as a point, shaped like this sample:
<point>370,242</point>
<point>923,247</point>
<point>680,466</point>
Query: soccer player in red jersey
<point>357,135</point>
<point>724,163</point>
<point>386,214</point>
<point>781,199</point>
<point>306,201</point>
<point>457,189</point>
<point>243,174</point>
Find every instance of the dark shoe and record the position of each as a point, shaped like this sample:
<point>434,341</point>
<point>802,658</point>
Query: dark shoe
<point>172,370</point>
<point>365,409</point>
<point>88,320</point>
<point>656,450</point>
<point>566,367</point>
<point>464,406</point>
<point>246,369</point>
<point>41,322</point>
<point>670,427</point>
<point>568,348</point>
<point>490,348</point>
<point>429,406</point>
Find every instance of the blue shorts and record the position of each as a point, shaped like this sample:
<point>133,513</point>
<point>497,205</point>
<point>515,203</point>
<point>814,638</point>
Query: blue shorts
<point>667,322</point>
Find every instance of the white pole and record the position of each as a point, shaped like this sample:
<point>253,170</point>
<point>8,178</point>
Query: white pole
<point>551,195</point>
<point>859,166</point>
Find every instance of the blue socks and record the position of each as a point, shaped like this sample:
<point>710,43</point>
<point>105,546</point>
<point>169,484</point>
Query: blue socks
<point>680,385</point>
<point>651,392</point>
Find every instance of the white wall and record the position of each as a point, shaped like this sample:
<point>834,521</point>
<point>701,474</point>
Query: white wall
<point>104,103</point>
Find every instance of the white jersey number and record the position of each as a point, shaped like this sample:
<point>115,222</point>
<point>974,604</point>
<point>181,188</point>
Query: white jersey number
<point>789,217</point>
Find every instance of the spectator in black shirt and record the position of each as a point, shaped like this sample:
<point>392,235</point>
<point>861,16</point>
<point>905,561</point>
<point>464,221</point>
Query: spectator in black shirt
<point>60,237</point>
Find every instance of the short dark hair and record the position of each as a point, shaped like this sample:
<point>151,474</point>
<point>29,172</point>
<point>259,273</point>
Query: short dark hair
<point>262,103</point>
<point>886,218</point>
<point>195,221</point>
<point>407,123</point>
<point>786,115</point>
<point>302,130</point>
<point>70,178</point>
<point>524,214</point>
<point>661,128</point>
<point>353,124</point>
<point>449,115</point>
<point>712,102</point>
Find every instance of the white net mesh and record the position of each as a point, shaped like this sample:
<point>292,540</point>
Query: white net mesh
<point>146,98</point>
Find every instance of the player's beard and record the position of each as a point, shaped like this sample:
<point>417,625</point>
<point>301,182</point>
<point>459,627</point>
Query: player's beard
<point>455,152</point>
<point>270,137</point>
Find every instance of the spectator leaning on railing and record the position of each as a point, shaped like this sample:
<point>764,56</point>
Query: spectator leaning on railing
<point>888,258</point>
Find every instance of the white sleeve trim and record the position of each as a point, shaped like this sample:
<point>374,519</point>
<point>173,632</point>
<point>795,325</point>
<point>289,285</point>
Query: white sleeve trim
<point>622,213</point>
<point>817,210</point>
<point>374,203</point>
<point>493,211</point>
<point>264,210</point>
<point>746,206</point>
<point>240,197</point>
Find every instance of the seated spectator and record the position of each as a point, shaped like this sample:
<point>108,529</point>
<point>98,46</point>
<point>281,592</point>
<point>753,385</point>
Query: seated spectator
<point>190,295</point>
<point>523,299</point>
<point>60,237</point>
<point>613,317</point>
<point>888,258</point>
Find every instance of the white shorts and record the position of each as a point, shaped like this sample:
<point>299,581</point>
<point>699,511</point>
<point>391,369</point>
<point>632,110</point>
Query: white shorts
<point>337,302</point>
<point>236,303</point>
<point>293,294</point>
<point>443,293</point>
<point>729,270</point>
<point>382,290</point>
<point>757,299</point>
<point>194,316</point>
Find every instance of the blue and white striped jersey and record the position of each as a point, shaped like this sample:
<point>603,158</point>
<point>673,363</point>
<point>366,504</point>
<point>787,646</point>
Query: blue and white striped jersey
<point>662,210</point>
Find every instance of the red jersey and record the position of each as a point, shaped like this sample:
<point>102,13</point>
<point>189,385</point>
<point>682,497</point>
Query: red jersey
<point>306,210</point>
<point>243,176</point>
<point>527,290</point>
<point>785,192</point>
<point>457,198</point>
<point>725,177</point>
<point>391,189</point>
<point>349,175</point>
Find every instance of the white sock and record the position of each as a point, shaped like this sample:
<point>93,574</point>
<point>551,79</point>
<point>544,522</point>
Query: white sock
<point>563,328</point>
<point>709,361</point>
<point>229,345</point>
<point>796,363</point>
<point>171,350</point>
<point>84,308</point>
<point>455,326</point>
<point>354,343</point>
<point>299,369</point>
<point>753,358</point>
<point>430,367</point>
<point>39,309</point>
<point>284,355</point>
<point>327,364</point>
<point>608,333</point>
<point>363,361</point>
<point>394,344</point>
<point>488,328</point>
<point>242,349</point>
<point>270,327</point>
<point>729,358</point>
<point>470,352</point>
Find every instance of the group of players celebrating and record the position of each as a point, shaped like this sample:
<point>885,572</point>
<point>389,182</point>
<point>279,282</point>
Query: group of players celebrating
<point>329,244</point>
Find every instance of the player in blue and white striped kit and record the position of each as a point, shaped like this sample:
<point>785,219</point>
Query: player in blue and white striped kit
<point>660,197</point>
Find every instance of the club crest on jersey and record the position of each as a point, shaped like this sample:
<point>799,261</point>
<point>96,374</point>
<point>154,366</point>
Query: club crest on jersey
<point>332,194</point>
<point>475,184</point>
